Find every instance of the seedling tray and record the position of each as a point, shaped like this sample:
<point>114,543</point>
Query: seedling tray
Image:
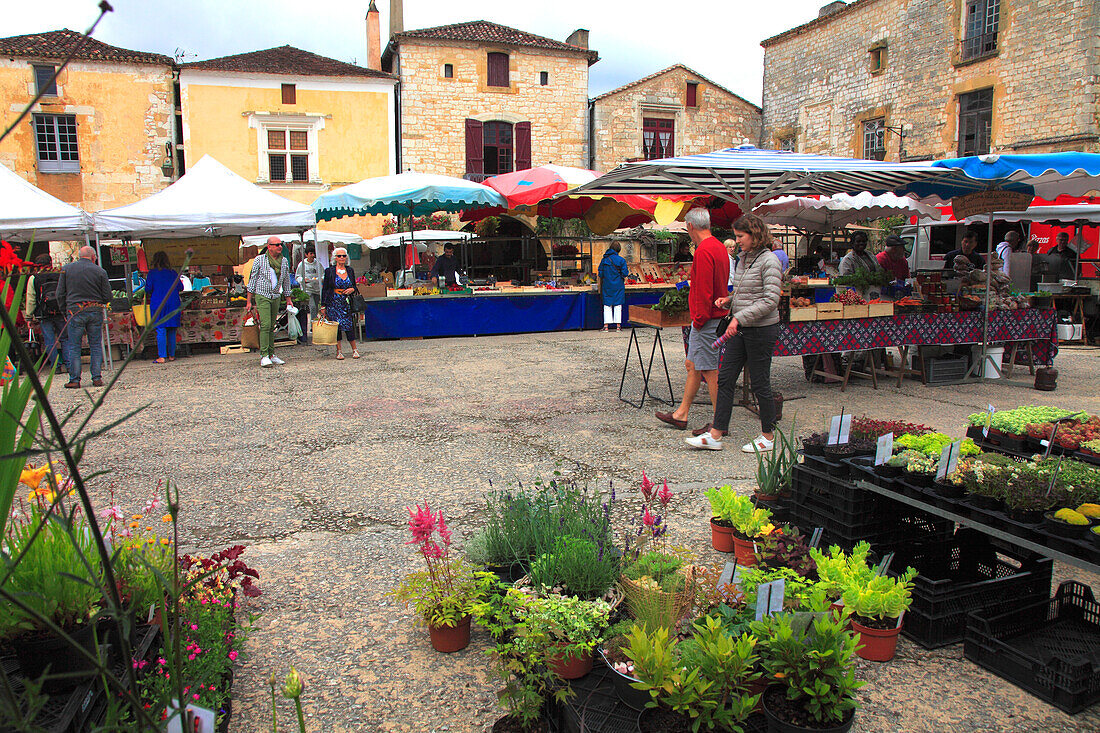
<point>1051,648</point>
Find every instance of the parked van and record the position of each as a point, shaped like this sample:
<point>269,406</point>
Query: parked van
<point>927,244</point>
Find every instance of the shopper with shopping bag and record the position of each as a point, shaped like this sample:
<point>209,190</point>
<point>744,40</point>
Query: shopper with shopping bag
<point>268,280</point>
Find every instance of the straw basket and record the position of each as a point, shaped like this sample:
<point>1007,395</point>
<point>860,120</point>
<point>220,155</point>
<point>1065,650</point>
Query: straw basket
<point>650,603</point>
<point>325,332</point>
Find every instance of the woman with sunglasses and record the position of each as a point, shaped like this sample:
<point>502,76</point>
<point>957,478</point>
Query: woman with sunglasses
<point>337,288</point>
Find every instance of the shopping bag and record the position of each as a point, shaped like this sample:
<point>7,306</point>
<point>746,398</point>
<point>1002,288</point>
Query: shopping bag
<point>293,328</point>
<point>325,332</point>
<point>250,335</point>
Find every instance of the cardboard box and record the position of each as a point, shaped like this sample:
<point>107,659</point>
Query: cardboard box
<point>645,314</point>
<point>803,314</point>
<point>828,311</point>
<point>855,311</point>
<point>875,310</point>
<point>374,290</point>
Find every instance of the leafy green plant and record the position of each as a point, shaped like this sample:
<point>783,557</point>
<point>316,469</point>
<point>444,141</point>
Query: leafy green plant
<point>882,597</point>
<point>674,300</point>
<point>774,467</point>
<point>837,569</point>
<point>663,569</point>
<point>738,511</point>
<point>1092,511</point>
<point>1015,421</point>
<point>705,678</point>
<point>576,567</point>
<point>813,657</point>
<point>565,625</point>
<point>862,278</point>
<point>785,547</point>
<point>796,587</point>
<point>932,444</point>
<point>901,460</point>
<point>1069,516</point>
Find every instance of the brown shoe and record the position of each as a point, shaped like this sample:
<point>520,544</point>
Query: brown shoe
<point>72,385</point>
<point>97,382</point>
<point>706,429</point>
<point>666,417</point>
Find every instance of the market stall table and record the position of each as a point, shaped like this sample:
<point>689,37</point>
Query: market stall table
<point>197,326</point>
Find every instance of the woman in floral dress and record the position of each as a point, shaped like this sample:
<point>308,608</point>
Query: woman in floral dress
<point>336,290</point>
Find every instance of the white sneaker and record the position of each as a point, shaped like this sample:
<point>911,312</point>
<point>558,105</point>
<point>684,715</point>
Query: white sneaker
<point>277,360</point>
<point>266,361</point>
<point>761,444</point>
<point>704,442</point>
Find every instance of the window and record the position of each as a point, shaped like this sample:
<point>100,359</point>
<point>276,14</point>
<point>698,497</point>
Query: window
<point>287,152</point>
<point>975,122</point>
<point>874,139</point>
<point>498,147</point>
<point>290,94</point>
<point>788,143</point>
<point>877,58</point>
<point>448,71</point>
<point>980,28</point>
<point>55,140</point>
<point>544,78</point>
<point>498,70</point>
<point>692,94</point>
<point>44,83</point>
<point>658,137</point>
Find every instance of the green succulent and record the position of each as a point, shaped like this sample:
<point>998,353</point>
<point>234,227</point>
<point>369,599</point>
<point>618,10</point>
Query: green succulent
<point>1071,517</point>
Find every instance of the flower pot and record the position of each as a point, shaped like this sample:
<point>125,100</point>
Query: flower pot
<point>509,724</point>
<point>876,645</point>
<point>948,490</point>
<point>662,720</point>
<point>570,668</point>
<point>449,639</point>
<point>812,449</point>
<point>744,552</point>
<point>1095,539</point>
<point>507,572</point>
<point>721,537</point>
<point>920,479</point>
<point>988,503</point>
<point>36,652</point>
<point>974,432</point>
<point>632,698</point>
<point>777,711</point>
<point>886,471</point>
<point>1058,528</point>
<point>1025,516</point>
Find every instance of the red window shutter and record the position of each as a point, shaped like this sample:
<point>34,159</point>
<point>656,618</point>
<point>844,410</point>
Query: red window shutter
<point>692,94</point>
<point>497,68</point>
<point>523,145</point>
<point>475,156</point>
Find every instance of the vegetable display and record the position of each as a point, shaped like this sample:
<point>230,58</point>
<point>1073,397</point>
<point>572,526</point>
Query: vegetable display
<point>673,301</point>
<point>862,278</point>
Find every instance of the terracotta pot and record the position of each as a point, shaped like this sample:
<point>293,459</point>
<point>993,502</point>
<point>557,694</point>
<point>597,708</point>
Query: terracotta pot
<point>721,538</point>
<point>449,639</point>
<point>743,551</point>
<point>876,645</point>
<point>570,668</point>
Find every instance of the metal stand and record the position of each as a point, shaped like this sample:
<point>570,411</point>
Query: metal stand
<point>647,369</point>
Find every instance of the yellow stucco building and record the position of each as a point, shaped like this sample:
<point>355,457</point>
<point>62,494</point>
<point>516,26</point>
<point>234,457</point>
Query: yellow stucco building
<point>101,133</point>
<point>296,123</point>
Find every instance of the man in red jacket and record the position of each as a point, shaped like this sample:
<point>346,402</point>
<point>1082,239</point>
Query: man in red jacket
<point>710,272</point>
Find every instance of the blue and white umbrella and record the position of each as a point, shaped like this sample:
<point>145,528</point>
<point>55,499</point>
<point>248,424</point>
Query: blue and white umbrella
<point>405,194</point>
<point>1046,175</point>
<point>748,176</point>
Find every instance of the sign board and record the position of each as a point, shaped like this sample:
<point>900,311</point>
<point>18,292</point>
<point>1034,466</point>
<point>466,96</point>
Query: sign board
<point>884,448</point>
<point>199,720</point>
<point>123,254</point>
<point>769,598</point>
<point>949,459</point>
<point>839,429</point>
<point>983,202</point>
<point>207,251</point>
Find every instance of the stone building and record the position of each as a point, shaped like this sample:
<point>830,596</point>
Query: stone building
<point>101,134</point>
<point>296,123</point>
<point>906,80</point>
<point>676,111</point>
<point>477,99</point>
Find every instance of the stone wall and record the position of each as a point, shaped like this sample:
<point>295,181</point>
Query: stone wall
<point>819,85</point>
<point>434,108</point>
<point>720,119</point>
<point>124,117</point>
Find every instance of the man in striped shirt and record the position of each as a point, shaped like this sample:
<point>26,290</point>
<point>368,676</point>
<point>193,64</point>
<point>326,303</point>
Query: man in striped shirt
<point>267,281</point>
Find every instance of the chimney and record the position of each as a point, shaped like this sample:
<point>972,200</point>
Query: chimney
<point>831,8</point>
<point>397,18</point>
<point>374,39</point>
<point>579,38</point>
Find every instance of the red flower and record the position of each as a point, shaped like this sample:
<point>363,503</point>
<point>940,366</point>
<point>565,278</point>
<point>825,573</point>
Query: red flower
<point>421,524</point>
<point>647,488</point>
<point>664,495</point>
<point>648,519</point>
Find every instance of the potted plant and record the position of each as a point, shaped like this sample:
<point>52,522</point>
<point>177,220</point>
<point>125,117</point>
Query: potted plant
<point>877,607</point>
<point>785,547</point>
<point>920,470</point>
<point>984,482</point>
<point>837,570</point>
<point>702,683</point>
<point>1091,448</point>
<point>1066,523</point>
<point>1090,510</point>
<point>614,652</point>
<point>814,445</point>
<point>577,567</point>
<point>659,587</point>
<point>893,467</point>
<point>1025,494</point>
<point>445,594</point>
<point>567,628</point>
<point>1095,532</point>
<point>773,468</point>
<point>736,523</point>
<point>810,658</point>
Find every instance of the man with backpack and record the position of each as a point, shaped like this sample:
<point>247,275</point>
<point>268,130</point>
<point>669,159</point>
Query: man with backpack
<point>84,290</point>
<point>44,310</point>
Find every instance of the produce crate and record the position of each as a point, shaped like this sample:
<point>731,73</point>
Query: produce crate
<point>374,290</point>
<point>829,311</point>
<point>876,310</point>
<point>645,314</point>
<point>945,369</point>
<point>803,314</point>
<point>1051,647</point>
<point>961,576</point>
<point>855,311</point>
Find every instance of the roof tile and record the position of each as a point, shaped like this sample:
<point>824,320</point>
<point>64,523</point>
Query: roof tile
<point>58,44</point>
<point>286,60</point>
<point>483,31</point>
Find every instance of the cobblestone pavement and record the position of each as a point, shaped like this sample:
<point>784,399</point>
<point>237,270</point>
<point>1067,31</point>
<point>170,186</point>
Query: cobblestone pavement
<point>312,464</point>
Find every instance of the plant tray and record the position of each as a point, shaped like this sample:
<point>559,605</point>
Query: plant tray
<point>1051,647</point>
<point>962,576</point>
<point>660,319</point>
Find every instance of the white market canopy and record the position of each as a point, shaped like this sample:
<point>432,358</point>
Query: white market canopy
<point>208,201</point>
<point>420,237</point>
<point>837,211</point>
<point>1059,214</point>
<point>313,235</point>
<point>28,213</point>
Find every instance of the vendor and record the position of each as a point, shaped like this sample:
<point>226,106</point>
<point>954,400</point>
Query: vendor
<point>813,264</point>
<point>1061,261</point>
<point>858,259</point>
<point>892,258</point>
<point>968,249</point>
<point>444,268</point>
<point>200,281</point>
<point>683,253</point>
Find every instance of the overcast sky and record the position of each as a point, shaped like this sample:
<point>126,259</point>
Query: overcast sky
<point>720,40</point>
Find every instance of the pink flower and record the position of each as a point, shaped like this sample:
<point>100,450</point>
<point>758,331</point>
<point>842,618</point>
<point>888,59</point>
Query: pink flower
<point>115,513</point>
<point>648,519</point>
<point>232,658</point>
<point>664,496</point>
<point>194,627</point>
<point>421,524</point>
<point>195,696</point>
<point>191,656</point>
<point>431,550</point>
<point>647,488</point>
<point>443,531</point>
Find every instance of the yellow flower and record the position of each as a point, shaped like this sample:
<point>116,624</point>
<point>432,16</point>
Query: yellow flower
<point>166,518</point>
<point>166,542</point>
<point>136,517</point>
<point>135,525</point>
<point>767,529</point>
<point>150,540</point>
<point>32,477</point>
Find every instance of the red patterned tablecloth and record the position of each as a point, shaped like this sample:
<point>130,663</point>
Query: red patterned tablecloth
<point>197,326</point>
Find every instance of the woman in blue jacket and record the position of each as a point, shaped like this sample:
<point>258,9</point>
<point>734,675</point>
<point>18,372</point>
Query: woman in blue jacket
<point>613,274</point>
<point>163,286</point>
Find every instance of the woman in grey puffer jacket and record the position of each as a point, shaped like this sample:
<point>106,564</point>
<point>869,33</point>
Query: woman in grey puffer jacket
<point>754,303</point>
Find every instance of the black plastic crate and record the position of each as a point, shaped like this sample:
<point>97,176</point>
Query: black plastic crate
<point>963,575</point>
<point>828,493</point>
<point>888,532</point>
<point>1051,648</point>
<point>945,369</point>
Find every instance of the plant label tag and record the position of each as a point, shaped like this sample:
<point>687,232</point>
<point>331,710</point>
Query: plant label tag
<point>884,448</point>
<point>193,720</point>
<point>152,612</point>
<point>884,566</point>
<point>815,538</point>
<point>769,598</point>
<point>726,578</point>
<point>949,459</point>
<point>953,456</point>
<point>839,429</point>
<point>989,410</point>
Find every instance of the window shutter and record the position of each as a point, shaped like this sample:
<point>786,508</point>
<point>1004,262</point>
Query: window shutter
<point>523,145</point>
<point>692,94</point>
<point>475,157</point>
<point>497,68</point>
